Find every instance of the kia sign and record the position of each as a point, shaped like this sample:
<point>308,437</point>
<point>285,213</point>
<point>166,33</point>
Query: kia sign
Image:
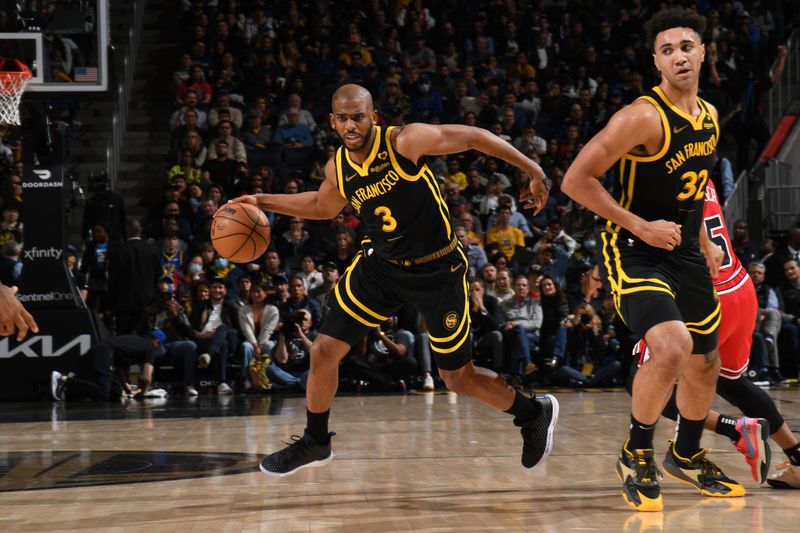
<point>44,346</point>
<point>64,343</point>
<point>45,282</point>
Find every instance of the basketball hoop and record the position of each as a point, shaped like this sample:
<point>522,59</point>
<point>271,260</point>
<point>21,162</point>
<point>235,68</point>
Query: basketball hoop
<point>12,84</point>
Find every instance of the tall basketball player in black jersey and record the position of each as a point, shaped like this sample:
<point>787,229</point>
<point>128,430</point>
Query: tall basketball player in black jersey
<point>410,255</point>
<point>662,148</point>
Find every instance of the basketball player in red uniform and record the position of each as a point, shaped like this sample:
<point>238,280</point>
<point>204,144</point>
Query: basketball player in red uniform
<point>749,433</point>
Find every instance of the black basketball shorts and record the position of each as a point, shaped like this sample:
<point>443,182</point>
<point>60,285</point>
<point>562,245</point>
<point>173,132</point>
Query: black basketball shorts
<point>651,286</point>
<point>372,290</point>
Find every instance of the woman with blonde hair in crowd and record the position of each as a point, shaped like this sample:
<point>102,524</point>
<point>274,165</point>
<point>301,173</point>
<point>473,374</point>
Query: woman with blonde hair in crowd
<point>345,250</point>
<point>195,145</point>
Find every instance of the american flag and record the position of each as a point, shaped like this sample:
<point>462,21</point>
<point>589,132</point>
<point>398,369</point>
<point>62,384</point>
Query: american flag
<point>85,75</point>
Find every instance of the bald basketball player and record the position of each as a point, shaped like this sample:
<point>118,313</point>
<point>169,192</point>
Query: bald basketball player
<point>410,255</point>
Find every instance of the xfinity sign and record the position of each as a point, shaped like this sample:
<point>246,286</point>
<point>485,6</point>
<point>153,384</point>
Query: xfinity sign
<point>44,346</point>
<point>43,253</point>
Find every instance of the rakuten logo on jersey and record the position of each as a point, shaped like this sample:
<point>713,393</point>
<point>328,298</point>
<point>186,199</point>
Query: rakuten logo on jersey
<point>43,253</point>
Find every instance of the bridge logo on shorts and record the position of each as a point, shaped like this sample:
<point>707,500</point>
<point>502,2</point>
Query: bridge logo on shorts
<point>451,320</point>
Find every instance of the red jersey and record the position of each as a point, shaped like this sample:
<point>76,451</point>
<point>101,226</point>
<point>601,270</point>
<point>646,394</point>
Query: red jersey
<point>732,274</point>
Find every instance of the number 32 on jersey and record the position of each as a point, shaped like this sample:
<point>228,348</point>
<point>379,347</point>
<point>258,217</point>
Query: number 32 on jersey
<point>694,185</point>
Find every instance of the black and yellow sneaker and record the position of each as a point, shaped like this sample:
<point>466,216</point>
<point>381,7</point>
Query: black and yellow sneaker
<point>702,474</point>
<point>639,473</point>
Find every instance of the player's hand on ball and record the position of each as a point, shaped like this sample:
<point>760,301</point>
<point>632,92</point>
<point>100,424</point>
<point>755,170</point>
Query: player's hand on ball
<point>661,234</point>
<point>246,199</point>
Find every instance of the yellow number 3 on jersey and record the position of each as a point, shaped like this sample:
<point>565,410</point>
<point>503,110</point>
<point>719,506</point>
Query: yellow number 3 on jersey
<point>693,189</point>
<point>389,222</point>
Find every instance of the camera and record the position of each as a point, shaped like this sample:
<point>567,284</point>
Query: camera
<point>586,319</point>
<point>290,320</point>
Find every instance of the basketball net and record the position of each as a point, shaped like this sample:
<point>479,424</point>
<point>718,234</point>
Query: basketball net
<point>12,85</point>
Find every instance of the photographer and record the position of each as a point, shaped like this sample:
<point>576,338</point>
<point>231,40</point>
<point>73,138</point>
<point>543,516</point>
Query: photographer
<point>584,338</point>
<point>104,376</point>
<point>298,300</point>
<point>166,314</point>
<point>384,359</point>
<point>291,360</point>
<point>586,363</point>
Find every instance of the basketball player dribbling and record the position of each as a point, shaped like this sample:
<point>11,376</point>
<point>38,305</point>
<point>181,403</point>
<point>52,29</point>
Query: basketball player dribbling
<point>410,255</point>
<point>750,433</point>
<point>662,147</point>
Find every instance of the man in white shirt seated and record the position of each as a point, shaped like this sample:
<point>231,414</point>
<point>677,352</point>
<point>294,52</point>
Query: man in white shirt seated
<point>214,322</point>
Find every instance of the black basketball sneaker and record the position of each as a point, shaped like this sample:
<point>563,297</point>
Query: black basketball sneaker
<point>302,452</point>
<point>537,434</point>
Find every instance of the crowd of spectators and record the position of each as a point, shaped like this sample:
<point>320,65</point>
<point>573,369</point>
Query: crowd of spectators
<point>251,93</point>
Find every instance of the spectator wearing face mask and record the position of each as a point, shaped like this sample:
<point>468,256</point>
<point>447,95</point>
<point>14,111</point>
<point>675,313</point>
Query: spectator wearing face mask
<point>425,100</point>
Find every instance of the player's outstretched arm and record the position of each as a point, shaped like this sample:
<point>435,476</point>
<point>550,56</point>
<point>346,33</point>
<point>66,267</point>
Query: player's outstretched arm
<point>314,205</point>
<point>637,125</point>
<point>417,140</point>
<point>13,316</point>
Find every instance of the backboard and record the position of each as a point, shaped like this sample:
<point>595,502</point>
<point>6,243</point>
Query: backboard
<point>63,42</point>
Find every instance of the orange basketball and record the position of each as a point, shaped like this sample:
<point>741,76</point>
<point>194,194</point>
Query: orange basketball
<point>240,232</point>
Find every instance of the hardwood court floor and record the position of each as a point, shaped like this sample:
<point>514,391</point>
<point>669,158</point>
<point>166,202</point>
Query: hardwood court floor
<point>402,463</point>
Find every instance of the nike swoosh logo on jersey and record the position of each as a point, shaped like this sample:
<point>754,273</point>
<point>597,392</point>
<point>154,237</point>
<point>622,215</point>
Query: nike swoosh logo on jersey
<point>455,267</point>
<point>348,178</point>
<point>678,130</point>
<point>394,238</point>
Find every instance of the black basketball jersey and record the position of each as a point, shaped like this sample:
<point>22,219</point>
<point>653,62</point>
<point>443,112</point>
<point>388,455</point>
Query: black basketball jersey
<point>670,184</point>
<point>402,210</point>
